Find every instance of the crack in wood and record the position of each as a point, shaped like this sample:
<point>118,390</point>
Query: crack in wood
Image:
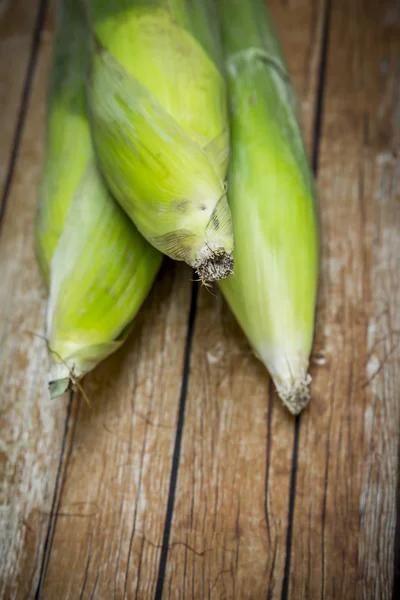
<point>177,446</point>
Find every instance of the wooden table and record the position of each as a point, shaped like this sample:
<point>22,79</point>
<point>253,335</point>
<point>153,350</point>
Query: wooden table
<point>185,478</point>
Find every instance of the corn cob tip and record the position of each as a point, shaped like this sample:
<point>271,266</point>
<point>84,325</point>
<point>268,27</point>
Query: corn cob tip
<point>295,394</point>
<point>59,380</point>
<point>58,387</point>
<point>214,266</point>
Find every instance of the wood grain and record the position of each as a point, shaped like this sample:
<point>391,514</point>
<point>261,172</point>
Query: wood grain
<point>32,428</point>
<point>229,531</point>
<point>18,47</point>
<point>345,508</point>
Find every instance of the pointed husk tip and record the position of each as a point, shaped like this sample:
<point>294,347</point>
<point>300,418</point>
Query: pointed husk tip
<point>295,394</point>
<point>58,387</point>
<point>61,380</point>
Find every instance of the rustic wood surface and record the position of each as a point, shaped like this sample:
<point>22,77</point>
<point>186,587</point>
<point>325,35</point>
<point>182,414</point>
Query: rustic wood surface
<point>185,478</point>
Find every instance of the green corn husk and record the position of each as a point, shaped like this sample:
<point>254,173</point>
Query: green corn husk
<point>159,117</point>
<point>273,203</point>
<point>97,266</point>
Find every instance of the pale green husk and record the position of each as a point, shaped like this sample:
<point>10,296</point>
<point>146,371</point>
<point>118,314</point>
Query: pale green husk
<point>97,266</point>
<point>158,105</point>
<point>272,200</point>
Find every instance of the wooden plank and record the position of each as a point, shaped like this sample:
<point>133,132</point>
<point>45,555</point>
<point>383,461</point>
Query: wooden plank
<point>131,423</point>
<point>124,442</point>
<point>110,516</point>
<point>32,429</point>
<point>229,532</point>
<point>17,30</point>
<point>107,519</point>
<point>345,510</point>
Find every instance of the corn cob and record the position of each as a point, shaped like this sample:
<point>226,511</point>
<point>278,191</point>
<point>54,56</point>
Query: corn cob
<point>97,266</point>
<point>159,116</point>
<point>273,204</point>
